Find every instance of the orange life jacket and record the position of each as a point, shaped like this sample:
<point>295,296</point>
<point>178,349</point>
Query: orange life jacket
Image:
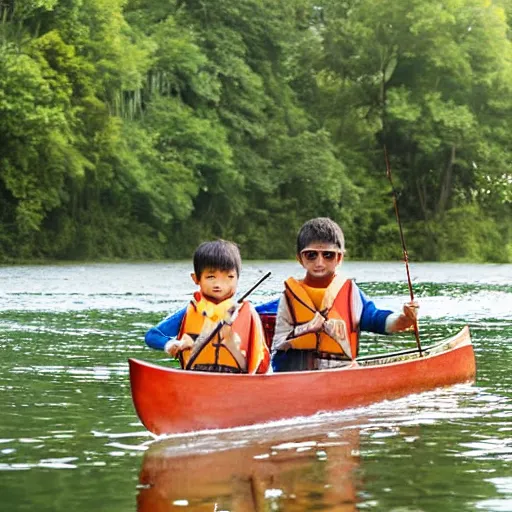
<point>302,310</point>
<point>243,351</point>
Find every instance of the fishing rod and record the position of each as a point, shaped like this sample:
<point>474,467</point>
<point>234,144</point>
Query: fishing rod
<point>404,249</point>
<point>197,348</point>
<point>247,293</point>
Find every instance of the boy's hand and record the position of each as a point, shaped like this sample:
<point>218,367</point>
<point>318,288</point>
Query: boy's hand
<point>313,325</point>
<point>230,316</point>
<point>174,347</point>
<point>335,328</point>
<point>411,310</point>
<point>230,337</point>
<point>171,347</point>
<point>407,319</point>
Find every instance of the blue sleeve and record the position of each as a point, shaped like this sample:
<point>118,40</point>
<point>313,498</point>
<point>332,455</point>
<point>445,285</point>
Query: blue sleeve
<point>372,319</point>
<point>169,328</point>
<point>268,308</point>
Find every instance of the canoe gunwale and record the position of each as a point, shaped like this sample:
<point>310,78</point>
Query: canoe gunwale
<point>463,337</point>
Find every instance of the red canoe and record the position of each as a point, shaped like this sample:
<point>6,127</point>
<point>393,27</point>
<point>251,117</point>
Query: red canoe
<point>170,400</point>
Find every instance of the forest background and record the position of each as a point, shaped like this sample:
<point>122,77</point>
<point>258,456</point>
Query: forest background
<point>138,128</point>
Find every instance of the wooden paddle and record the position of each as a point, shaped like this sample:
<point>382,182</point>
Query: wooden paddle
<point>198,347</point>
<point>404,249</point>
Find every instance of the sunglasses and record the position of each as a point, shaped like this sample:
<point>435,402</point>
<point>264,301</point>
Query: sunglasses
<point>311,255</point>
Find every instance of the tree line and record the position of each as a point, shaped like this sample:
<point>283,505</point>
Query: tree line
<point>139,128</point>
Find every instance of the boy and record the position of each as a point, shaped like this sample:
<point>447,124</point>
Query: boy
<point>237,343</point>
<point>319,318</point>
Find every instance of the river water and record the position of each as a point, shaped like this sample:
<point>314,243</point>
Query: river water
<point>71,440</point>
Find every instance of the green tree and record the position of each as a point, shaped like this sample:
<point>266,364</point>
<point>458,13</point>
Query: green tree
<point>432,82</point>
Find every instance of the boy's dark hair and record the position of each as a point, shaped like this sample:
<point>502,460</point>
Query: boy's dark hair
<point>320,230</point>
<point>217,255</point>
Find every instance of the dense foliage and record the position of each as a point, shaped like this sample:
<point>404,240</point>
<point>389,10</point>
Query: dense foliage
<point>138,128</point>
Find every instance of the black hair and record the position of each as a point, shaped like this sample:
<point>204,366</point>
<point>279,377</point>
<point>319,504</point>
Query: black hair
<point>320,230</point>
<point>217,255</point>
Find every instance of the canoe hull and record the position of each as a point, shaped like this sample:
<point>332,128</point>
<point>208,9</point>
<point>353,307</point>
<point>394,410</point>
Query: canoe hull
<point>172,401</point>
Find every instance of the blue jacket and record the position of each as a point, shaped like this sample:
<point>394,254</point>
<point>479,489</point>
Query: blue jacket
<point>372,320</point>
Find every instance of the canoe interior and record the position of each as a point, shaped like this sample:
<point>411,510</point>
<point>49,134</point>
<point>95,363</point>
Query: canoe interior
<point>269,323</point>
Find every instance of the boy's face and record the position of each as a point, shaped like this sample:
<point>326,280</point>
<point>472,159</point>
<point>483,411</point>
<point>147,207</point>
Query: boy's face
<point>320,259</point>
<point>218,285</point>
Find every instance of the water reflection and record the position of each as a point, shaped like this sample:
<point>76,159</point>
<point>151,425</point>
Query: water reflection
<point>351,460</point>
<point>302,474</point>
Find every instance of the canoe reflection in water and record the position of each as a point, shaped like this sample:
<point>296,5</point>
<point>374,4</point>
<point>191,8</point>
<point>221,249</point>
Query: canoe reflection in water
<point>274,475</point>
